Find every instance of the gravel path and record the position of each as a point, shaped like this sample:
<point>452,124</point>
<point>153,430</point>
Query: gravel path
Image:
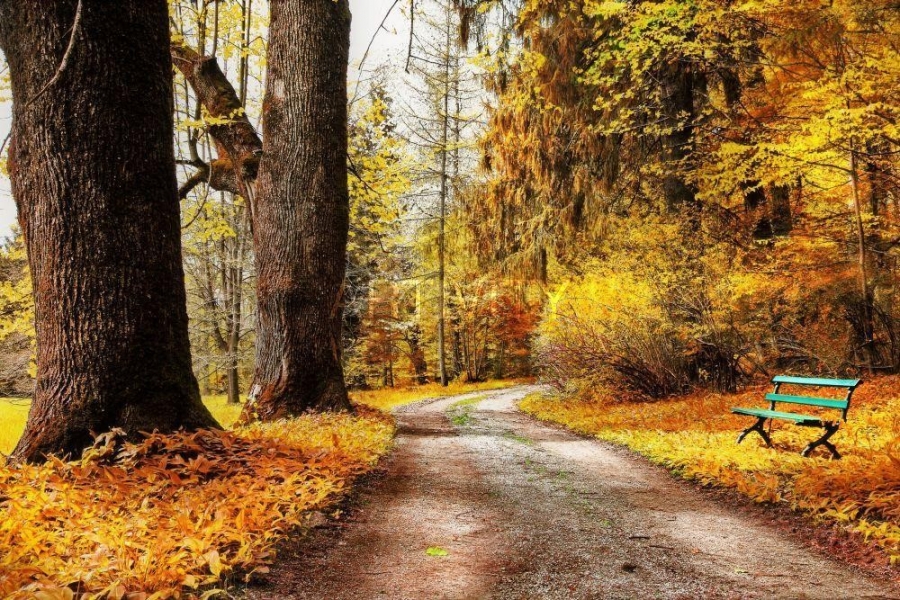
<point>529,511</point>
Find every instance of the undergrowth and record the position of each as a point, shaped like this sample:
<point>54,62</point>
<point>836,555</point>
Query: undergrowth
<point>175,515</point>
<point>695,437</point>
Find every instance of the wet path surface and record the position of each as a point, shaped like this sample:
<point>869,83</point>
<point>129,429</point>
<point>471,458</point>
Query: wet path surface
<point>525,510</point>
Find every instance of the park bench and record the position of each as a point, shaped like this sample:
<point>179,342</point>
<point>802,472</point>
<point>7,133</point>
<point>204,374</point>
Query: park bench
<point>776,397</point>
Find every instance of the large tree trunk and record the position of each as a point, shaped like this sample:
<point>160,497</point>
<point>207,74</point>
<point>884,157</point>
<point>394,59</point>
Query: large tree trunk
<point>782,219</point>
<point>301,216</point>
<point>93,175</point>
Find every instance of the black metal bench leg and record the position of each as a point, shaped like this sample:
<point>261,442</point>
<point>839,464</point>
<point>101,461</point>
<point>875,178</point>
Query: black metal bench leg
<point>758,427</point>
<point>830,430</point>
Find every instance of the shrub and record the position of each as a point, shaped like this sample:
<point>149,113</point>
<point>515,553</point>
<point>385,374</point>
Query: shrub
<point>617,328</point>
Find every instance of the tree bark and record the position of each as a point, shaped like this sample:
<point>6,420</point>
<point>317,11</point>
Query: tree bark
<point>879,175</point>
<point>782,219</point>
<point>301,218</point>
<point>93,175</point>
<point>677,96</point>
<point>868,317</point>
<point>442,215</point>
<point>413,338</point>
<point>234,314</point>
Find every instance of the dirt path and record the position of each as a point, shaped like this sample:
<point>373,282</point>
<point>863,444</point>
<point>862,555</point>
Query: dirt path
<point>529,511</point>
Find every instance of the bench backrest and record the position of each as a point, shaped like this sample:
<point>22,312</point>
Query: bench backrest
<point>842,405</point>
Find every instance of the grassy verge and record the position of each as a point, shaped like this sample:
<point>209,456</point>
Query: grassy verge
<point>389,398</point>
<point>226,414</point>
<point>14,412</point>
<point>695,438</point>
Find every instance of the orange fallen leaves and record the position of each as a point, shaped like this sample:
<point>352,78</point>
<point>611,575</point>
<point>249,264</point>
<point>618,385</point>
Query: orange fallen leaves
<point>695,436</point>
<point>174,515</point>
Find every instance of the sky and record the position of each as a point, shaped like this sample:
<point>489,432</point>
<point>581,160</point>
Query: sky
<point>367,15</point>
<point>390,41</point>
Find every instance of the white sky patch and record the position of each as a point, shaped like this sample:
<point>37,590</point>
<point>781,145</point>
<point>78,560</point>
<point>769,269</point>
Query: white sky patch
<point>390,41</point>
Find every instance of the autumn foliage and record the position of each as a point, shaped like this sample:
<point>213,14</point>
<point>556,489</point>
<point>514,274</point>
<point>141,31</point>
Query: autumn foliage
<point>694,436</point>
<point>710,188</point>
<point>174,515</point>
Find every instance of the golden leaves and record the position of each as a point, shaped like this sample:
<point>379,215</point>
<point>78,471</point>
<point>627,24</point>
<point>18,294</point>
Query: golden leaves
<point>695,437</point>
<point>173,515</point>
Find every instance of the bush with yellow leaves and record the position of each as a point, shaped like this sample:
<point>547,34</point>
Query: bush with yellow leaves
<point>694,436</point>
<point>173,516</point>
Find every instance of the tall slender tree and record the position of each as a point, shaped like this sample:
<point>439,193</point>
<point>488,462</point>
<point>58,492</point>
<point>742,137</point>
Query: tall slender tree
<point>442,123</point>
<point>93,175</point>
<point>447,59</point>
<point>216,236</point>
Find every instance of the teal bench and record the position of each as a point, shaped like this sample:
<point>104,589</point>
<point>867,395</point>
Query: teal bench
<point>776,397</point>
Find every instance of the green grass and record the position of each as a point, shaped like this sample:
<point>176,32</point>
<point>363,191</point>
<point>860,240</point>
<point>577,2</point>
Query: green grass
<point>468,402</point>
<point>518,438</point>
<point>461,419</point>
<point>14,412</point>
<point>460,413</point>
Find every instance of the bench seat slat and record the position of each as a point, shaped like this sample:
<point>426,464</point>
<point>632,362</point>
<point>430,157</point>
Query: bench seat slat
<point>808,401</point>
<point>840,383</point>
<point>774,414</point>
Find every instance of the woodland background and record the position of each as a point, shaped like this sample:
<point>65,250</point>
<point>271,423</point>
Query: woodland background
<point>632,200</point>
<point>658,195</point>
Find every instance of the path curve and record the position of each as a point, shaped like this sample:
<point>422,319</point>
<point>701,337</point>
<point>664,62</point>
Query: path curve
<point>525,510</point>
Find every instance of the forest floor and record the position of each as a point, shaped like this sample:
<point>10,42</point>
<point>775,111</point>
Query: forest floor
<point>479,500</point>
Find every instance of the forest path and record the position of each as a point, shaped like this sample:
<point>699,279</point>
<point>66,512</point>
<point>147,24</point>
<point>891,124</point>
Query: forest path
<point>525,510</point>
